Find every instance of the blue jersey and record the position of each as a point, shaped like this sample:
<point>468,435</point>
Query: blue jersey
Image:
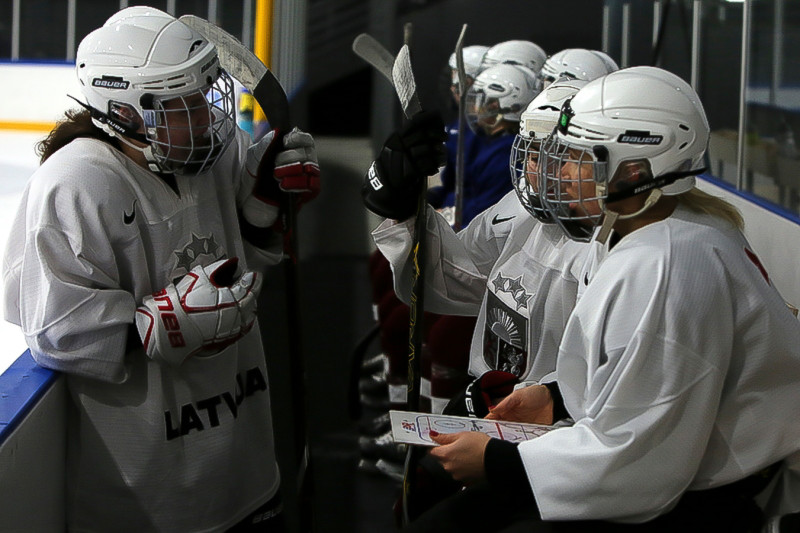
<point>486,174</point>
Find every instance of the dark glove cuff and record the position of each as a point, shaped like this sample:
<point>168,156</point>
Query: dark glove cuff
<point>382,198</point>
<point>505,470</point>
<point>559,409</point>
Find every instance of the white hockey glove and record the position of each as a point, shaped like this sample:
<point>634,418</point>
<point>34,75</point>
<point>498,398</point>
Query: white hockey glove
<point>272,171</point>
<point>206,311</point>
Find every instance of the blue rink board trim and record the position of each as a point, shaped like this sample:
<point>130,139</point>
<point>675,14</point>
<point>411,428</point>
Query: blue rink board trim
<point>21,387</point>
<point>752,198</point>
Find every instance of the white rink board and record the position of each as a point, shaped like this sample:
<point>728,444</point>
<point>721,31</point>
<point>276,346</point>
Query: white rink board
<point>37,92</point>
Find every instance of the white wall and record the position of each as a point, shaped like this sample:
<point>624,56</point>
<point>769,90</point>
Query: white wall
<point>36,92</point>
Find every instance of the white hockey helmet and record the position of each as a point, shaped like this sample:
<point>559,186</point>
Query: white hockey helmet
<point>636,130</point>
<point>524,53</point>
<point>501,92</point>
<point>610,63</point>
<point>536,123</point>
<point>143,66</point>
<point>576,63</point>
<point>473,56</point>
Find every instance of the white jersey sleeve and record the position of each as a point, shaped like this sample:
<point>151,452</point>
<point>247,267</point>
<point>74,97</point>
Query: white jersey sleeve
<point>63,284</point>
<point>457,264</point>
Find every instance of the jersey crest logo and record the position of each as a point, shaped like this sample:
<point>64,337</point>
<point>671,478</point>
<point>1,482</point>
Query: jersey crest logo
<point>190,255</point>
<point>513,287</point>
<point>505,338</point>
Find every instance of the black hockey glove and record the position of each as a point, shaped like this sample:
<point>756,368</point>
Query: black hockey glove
<point>408,157</point>
<point>484,392</point>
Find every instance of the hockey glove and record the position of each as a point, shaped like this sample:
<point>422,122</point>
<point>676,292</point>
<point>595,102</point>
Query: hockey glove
<point>483,393</point>
<point>271,172</point>
<point>408,157</point>
<point>206,311</point>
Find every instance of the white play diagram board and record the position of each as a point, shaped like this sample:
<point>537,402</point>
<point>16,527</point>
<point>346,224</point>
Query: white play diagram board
<point>414,428</point>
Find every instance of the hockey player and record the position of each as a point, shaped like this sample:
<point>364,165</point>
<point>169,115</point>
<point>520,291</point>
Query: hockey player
<point>495,100</point>
<point>442,196</point>
<point>576,64</point>
<point>516,273</point>
<point>504,267</point>
<point>129,270</point>
<point>668,362</point>
<point>497,97</point>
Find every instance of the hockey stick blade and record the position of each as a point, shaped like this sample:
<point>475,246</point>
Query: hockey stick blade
<point>367,48</point>
<point>404,83</point>
<point>242,64</point>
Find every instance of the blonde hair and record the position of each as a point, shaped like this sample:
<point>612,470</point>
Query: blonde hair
<point>702,202</point>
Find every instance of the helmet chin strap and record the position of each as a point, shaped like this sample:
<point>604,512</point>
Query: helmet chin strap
<point>147,151</point>
<point>610,218</point>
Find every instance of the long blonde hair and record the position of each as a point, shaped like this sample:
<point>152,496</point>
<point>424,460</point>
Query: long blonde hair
<point>702,202</point>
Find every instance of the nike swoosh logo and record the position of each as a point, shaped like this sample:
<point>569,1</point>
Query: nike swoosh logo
<point>128,219</point>
<point>497,220</point>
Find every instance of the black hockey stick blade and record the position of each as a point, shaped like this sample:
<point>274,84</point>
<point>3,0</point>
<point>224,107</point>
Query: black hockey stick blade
<point>462,94</point>
<point>367,48</point>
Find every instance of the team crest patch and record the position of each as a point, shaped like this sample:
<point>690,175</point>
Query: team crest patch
<point>190,255</point>
<point>513,287</point>
<point>505,338</point>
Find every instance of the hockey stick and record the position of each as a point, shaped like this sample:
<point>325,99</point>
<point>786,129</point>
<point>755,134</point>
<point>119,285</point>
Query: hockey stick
<point>397,70</point>
<point>462,97</point>
<point>406,88</point>
<point>242,64</point>
<point>404,83</point>
<point>367,48</point>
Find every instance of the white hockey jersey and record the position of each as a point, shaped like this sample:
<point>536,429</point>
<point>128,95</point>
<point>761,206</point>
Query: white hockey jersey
<point>517,275</point>
<point>681,368</point>
<point>151,448</point>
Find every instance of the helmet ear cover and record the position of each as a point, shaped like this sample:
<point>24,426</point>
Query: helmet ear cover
<point>635,177</point>
<point>117,121</point>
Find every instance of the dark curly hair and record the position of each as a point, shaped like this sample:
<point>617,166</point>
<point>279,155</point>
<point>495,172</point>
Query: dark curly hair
<point>76,123</point>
